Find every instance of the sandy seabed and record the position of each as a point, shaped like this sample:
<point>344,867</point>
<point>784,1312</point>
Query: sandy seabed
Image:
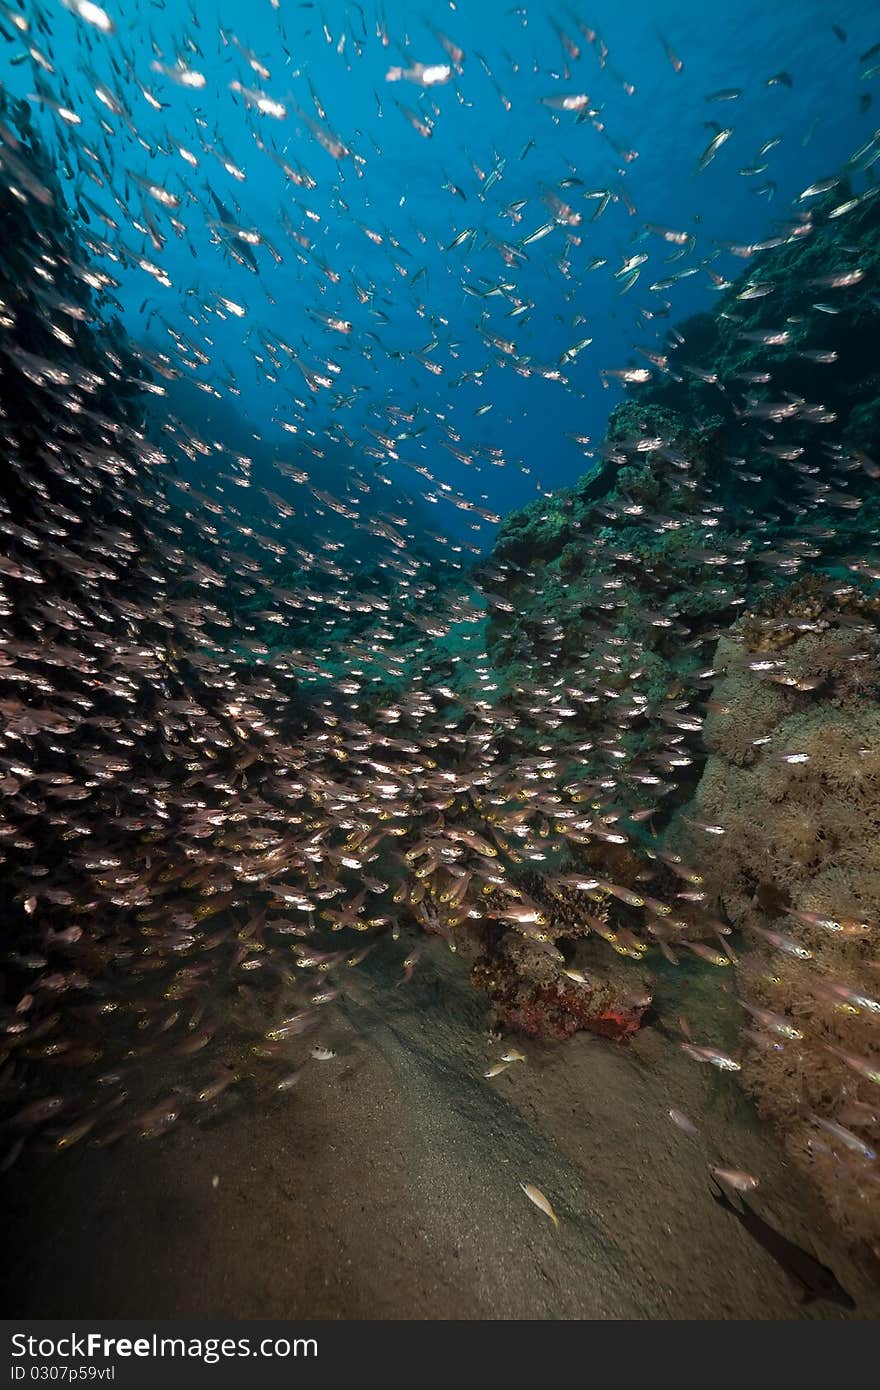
<point>385,1185</point>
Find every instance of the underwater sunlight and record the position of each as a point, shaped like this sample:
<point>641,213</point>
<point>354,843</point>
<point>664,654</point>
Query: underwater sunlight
<point>440,660</point>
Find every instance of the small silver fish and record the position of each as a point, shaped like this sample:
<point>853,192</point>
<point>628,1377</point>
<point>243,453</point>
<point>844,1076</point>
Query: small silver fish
<point>682,1121</point>
<point>735,1178</point>
<point>711,1055</point>
<point>536,1196</point>
<point>713,147</point>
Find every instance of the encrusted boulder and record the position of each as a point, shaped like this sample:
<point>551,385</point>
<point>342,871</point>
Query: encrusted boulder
<point>530,995</point>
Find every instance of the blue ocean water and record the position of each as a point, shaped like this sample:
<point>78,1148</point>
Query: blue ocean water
<point>345,287</point>
<point>368,236</point>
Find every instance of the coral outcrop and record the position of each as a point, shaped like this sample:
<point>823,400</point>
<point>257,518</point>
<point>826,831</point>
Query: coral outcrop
<point>555,976</point>
<point>701,612</point>
<point>793,780</point>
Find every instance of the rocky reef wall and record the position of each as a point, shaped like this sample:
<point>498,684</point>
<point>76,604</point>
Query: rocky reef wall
<point>701,612</point>
<point>793,778</point>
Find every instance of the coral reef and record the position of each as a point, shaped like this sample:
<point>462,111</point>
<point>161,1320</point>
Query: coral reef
<point>782,358</point>
<point>704,602</point>
<point>647,721</point>
<point>550,979</point>
<point>527,998</point>
<point>793,779</point>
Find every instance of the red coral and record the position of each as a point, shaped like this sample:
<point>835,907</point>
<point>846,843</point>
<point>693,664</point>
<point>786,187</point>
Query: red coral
<point>618,1023</point>
<point>557,1011</point>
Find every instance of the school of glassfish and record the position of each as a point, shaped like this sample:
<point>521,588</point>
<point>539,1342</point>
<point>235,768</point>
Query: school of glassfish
<point>223,743</point>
